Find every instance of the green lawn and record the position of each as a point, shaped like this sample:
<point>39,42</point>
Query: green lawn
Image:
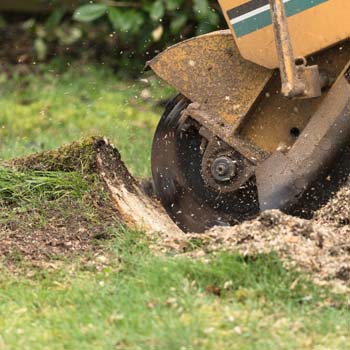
<point>138,301</point>
<point>127,298</point>
<point>58,107</point>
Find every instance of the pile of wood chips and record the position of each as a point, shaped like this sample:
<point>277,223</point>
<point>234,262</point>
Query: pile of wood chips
<point>320,247</point>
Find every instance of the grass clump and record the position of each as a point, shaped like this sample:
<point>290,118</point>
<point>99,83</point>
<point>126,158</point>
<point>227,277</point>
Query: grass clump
<point>37,186</point>
<point>78,156</point>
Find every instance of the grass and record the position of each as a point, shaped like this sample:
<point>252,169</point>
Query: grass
<point>26,187</point>
<point>31,197</point>
<point>140,301</point>
<point>59,107</point>
<point>128,298</point>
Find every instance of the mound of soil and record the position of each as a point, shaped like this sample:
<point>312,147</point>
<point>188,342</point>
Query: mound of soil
<point>96,155</point>
<point>66,227</point>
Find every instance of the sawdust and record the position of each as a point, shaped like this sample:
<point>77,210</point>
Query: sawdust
<point>319,247</point>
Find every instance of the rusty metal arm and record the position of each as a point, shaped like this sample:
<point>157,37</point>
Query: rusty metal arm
<point>284,177</point>
<point>298,81</point>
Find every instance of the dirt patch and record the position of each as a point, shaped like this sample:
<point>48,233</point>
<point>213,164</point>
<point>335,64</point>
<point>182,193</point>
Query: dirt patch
<point>61,227</point>
<point>53,232</point>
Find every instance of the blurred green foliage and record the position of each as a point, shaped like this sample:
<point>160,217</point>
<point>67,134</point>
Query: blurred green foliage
<point>142,18</point>
<point>128,32</point>
<point>145,27</point>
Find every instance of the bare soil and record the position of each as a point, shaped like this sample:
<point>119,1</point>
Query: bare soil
<point>53,233</point>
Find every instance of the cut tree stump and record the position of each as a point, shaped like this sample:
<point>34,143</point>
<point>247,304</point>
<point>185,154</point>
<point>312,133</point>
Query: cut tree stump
<point>133,207</point>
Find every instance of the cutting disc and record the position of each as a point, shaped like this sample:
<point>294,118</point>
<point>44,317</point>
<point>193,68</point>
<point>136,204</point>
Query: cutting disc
<point>177,155</point>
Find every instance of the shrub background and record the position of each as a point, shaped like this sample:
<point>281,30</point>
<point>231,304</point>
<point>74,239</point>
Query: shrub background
<point>123,34</point>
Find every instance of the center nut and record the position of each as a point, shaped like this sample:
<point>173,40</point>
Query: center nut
<point>223,169</point>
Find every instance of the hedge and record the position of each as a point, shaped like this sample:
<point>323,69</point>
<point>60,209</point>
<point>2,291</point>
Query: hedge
<point>134,30</point>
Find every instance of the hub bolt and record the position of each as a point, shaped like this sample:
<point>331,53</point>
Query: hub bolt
<point>223,169</point>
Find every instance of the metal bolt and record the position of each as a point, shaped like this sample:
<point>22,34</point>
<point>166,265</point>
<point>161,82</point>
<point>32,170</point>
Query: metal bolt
<point>223,169</point>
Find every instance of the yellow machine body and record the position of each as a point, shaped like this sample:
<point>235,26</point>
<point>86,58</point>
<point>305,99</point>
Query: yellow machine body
<point>244,136</point>
<point>232,77</point>
<point>313,24</point>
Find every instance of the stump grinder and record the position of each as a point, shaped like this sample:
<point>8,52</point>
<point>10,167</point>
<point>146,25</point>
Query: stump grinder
<point>262,119</point>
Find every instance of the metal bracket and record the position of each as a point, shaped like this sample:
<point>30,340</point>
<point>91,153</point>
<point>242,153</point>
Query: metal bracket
<point>283,178</point>
<point>298,80</point>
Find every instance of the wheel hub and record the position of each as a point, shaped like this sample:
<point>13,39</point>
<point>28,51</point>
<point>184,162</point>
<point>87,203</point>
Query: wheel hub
<point>223,169</point>
<point>184,163</point>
